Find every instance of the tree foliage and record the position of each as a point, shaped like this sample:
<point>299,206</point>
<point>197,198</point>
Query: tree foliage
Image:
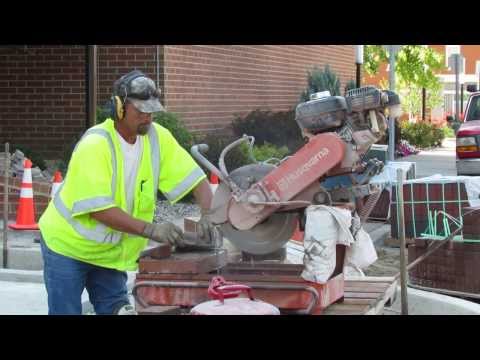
<point>415,68</point>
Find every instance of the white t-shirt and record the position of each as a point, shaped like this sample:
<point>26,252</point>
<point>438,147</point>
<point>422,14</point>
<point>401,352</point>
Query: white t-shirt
<point>131,160</point>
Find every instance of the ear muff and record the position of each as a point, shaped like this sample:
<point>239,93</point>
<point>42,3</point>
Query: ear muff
<point>117,104</point>
<point>117,107</point>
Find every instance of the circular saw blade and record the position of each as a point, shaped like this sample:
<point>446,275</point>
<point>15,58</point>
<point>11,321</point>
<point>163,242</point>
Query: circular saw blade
<point>265,237</point>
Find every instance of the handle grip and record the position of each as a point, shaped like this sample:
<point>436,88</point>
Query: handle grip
<point>220,289</point>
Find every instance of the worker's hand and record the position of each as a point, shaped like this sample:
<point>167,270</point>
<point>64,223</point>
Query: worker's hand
<point>164,233</point>
<point>206,228</point>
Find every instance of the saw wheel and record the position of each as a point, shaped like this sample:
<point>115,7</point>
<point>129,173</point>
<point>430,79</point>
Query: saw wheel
<point>266,237</point>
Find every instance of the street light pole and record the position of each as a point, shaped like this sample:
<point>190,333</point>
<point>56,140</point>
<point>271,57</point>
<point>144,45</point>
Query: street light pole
<point>359,62</point>
<point>457,111</point>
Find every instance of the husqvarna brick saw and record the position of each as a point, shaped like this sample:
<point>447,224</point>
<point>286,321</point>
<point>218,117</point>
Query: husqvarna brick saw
<point>258,206</point>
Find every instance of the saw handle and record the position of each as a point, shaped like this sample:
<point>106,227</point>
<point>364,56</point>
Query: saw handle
<point>197,152</point>
<point>220,289</point>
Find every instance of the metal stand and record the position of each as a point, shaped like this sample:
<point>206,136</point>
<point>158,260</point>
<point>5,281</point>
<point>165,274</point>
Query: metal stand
<point>403,262</point>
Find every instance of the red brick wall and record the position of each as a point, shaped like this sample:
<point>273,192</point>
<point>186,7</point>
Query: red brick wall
<point>42,88</point>
<point>42,96</point>
<point>115,61</point>
<point>207,84</point>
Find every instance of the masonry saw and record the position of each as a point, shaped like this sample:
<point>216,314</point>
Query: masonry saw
<point>258,207</point>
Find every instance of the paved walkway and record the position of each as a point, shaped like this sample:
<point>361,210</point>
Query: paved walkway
<point>435,161</point>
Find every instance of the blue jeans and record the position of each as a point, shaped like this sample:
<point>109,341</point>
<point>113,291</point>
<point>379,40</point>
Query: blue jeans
<point>66,278</point>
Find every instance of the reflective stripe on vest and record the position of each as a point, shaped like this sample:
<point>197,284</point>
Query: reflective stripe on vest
<point>100,232</point>
<point>184,185</point>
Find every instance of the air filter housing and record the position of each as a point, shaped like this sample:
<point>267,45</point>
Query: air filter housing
<point>321,114</point>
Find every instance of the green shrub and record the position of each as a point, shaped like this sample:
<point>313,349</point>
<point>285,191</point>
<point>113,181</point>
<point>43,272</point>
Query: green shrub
<point>448,132</point>
<point>321,80</point>
<point>176,126</point>
<point>276,128</point>
<point>351,84</point>
<point>35,157</point>
<point>422,134</point>
<point>266,151</point>
<point>103,112</point>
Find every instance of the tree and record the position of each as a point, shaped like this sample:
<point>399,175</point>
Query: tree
<point>415,68</point>
<point>321,80</point>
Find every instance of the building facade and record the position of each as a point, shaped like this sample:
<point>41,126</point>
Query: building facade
<point>43,89</point>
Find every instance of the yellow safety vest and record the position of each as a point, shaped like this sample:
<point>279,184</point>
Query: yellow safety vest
<point>95,182</point>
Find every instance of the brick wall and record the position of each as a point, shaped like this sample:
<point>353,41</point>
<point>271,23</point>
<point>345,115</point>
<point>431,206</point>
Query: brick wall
<point>42,96</point>
<point>207,84</point>
<point>43,88</point>
<point>115,61</point>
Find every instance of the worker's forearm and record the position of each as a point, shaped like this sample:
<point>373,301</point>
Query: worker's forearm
<point>119,220</point>
<point>203,194</point>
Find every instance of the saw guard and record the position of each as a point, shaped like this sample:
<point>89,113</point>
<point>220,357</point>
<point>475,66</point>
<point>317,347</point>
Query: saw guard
<point>322,153</point>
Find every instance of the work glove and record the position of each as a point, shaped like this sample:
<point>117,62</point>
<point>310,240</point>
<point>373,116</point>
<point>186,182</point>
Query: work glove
<point>164,233</point>
<point>206,228</point>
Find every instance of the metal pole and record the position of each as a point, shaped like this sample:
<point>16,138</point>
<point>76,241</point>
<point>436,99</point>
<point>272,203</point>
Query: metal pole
<point>403,262</point>
<point>456,57</point>
<point>424,103</point>
<point>359,75</point>
<point>391,121</point>
<point>461,98</point>
<point>359,61</point>
<point>158,66</point>
<point>92,82</point>
<point>5,206</point>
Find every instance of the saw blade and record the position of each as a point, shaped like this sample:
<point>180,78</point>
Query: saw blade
<point>264,238</point>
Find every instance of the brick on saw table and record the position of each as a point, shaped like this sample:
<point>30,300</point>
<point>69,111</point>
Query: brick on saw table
<point>190,224</point>
<point>184,263</point>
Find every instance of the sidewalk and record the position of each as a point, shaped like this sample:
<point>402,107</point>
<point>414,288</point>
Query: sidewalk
<point>435,161</point>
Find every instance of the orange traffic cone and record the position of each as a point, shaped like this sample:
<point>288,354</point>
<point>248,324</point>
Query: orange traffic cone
<point>213,182</point>
<point>57,181</point>
<point>26,209</point>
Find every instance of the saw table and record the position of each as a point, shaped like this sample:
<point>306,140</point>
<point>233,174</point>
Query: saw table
<point>179,281</point>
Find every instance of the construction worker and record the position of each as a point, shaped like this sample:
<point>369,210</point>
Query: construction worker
<point>101,218</point>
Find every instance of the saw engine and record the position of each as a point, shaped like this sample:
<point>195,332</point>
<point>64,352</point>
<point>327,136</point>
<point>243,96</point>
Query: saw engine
<point>259,206</point>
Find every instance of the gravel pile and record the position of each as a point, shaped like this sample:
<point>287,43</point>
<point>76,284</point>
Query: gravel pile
<point>166,212</point>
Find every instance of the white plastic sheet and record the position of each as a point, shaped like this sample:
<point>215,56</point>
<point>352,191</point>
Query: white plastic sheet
<point>325,228</point>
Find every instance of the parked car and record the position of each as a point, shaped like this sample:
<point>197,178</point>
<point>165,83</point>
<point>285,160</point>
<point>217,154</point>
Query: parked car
<point>468,137</point>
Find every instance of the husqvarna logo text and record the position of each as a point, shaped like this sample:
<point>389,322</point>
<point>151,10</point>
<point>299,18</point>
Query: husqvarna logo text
<point>285,181</point>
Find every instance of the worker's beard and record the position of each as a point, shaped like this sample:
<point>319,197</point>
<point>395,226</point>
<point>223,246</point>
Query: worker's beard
<point>143,129</point>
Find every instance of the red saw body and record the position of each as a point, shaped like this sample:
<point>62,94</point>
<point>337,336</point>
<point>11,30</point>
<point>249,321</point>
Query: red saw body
<point>289,179</point>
